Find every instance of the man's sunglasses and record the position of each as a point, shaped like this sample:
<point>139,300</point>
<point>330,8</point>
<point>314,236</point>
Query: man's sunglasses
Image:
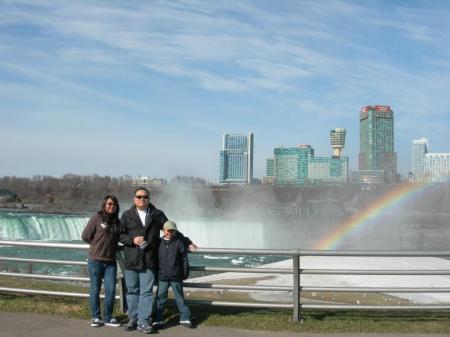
<point>141,197</point>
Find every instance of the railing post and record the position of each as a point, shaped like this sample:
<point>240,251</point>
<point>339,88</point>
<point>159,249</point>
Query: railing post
<point>296,286</point>
<point>123,306</point>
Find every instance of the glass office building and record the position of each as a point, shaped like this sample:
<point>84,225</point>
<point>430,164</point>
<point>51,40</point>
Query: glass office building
<point>326,170</point>
<point>376,140</point>
<point>298,166</point>
<point>269,178</point>
<point>428,167</point>
<point>291,165</point>
<point>270,167</point>
<point>236,159</point>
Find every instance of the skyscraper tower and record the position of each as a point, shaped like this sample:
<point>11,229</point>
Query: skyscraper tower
<point>376,140</point>
<point>236,159</point>
<point>337,137</point>
<point>429,167</point>
<point>418,159</point>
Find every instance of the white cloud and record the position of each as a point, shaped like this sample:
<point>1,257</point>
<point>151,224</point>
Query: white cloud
<point>140,59</point>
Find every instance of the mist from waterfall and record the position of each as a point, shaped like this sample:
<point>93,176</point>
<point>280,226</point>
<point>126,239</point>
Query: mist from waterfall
<point>248,218</point>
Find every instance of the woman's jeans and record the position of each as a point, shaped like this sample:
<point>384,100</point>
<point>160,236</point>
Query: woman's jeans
<point>98,271</point>
<point>177,288</point>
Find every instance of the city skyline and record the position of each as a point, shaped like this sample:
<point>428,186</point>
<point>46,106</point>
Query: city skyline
<point>149,88</point>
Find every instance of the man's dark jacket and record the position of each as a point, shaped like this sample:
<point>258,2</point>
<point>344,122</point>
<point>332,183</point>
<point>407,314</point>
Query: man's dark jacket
<point>173,260</point>
<point>131,226</point>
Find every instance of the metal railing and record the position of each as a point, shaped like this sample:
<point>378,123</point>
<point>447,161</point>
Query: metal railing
<point>297,305</point>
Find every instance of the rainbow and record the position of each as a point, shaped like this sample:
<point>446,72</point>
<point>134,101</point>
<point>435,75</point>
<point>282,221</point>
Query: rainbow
<point>391,199</point>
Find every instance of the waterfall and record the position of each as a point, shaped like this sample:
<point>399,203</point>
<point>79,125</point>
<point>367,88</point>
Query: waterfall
<point>41,227</point>
<point>396,231</point>
<point>55,227</point>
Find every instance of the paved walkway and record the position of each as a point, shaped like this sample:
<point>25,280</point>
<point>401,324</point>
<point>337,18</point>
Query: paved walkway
<point>32,325</point>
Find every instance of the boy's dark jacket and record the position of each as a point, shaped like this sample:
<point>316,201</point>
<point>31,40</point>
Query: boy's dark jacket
<point>173,260</point>
<point>131,226</point>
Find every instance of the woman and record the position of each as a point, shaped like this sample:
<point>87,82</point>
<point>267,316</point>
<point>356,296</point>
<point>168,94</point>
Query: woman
<point>102,233</point>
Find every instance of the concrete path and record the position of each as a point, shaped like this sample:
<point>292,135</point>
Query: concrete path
<point>32,325</point>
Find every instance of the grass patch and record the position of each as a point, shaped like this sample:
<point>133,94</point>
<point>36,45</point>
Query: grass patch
<point>243,318</point>
<point>327,322</point>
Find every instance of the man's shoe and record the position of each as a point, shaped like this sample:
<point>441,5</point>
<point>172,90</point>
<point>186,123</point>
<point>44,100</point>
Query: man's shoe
<point>145,328</point>
<point>186,324</point>
<point>158,324</point>
<point>112,322</point>
<point>131,325</point>
<point>96,322</point>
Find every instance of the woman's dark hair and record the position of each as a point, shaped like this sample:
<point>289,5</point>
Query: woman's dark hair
<point>109,219</point>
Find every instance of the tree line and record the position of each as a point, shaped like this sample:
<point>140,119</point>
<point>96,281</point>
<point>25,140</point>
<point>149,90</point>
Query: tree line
<point>83,193</point>
<point>75,193</point>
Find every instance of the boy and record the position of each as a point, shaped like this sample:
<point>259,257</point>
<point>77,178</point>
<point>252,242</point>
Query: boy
<point>173,269</point>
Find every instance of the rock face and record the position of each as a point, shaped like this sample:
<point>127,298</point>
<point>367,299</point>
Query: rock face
<point>9,199</point>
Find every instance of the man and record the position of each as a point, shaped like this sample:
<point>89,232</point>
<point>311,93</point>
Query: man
<point>140,227</point>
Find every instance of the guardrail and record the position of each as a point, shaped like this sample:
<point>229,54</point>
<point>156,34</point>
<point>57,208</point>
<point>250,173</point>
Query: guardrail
<point>296,271</point>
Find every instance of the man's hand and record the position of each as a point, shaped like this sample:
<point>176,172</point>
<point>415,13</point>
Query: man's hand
<point>138,240</point>
<point>193,247</point>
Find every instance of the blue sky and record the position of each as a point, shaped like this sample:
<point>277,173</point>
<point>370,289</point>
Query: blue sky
<point>150,87</point>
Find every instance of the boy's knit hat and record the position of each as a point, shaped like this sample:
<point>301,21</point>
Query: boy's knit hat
<point>170,225</point>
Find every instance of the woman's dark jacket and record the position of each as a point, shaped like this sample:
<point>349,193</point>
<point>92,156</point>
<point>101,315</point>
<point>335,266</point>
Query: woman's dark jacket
<point>131,227</point>
<point>173,260</point>
<point>102,238</point>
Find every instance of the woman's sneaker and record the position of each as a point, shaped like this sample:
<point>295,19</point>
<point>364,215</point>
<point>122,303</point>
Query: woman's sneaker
<point>96,322</point>
<point>112,322</point>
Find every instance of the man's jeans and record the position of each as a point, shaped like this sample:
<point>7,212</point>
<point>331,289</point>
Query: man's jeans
<point>98,271</point>
<point>139,294</point>
<point>177,288</point>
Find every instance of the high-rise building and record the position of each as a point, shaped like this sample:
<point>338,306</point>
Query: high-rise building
<point>270,167</point>
<point>419,149</point>
<point>236,159</point>
<point>298,166</point>
<point>291,165</point>
<point>428,167</point>
<point>376,140</point>
<point>326,170</point>
<point>337,138</point>
<point>270,171</point>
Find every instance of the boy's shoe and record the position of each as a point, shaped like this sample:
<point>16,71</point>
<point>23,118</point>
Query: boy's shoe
<point>96,322</point>
<point>112,322</point>
<point>145,328</point>
<point>186,324</point>
<point>131,325</point>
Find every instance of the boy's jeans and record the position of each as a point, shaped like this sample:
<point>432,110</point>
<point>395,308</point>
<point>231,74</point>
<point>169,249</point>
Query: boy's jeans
<point>177,288</point>
<point>139,294</point>
<point>98,271</point>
